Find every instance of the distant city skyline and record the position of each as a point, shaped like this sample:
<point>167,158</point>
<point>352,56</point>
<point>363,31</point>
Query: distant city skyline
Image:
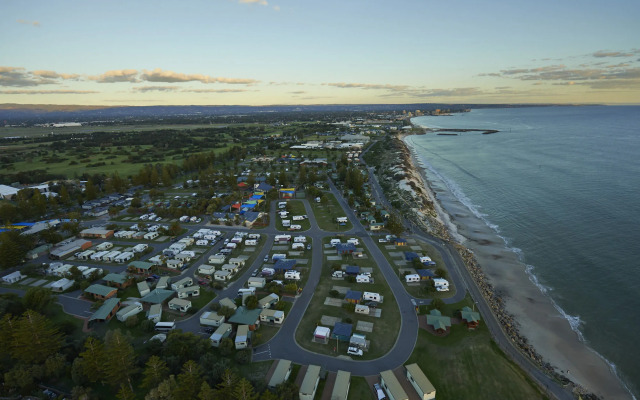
<point>267,52</point>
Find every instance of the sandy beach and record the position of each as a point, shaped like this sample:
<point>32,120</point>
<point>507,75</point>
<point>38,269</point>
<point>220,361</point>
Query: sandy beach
<point>537,317</point>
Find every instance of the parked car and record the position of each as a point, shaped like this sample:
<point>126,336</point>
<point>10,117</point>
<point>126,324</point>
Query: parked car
<point>266,258</point>
<point>354,351</point>
<point>371,304</point>
<point>309,246</point>
<point>209,330</point>
<point>379,393</point>
<point>255,273</point>
<point>183,267</point>
<point>202,282</point>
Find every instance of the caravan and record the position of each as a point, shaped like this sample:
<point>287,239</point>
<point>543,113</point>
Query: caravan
<point>295,275</point>
<point>335,242</point>
<point>371,296</point>
<point>412,278</point>
<point>363,279</point>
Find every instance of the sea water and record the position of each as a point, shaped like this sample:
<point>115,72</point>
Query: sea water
<point>561,185</point>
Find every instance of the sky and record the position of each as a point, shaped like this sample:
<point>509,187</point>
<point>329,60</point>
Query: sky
<point>268,52</point>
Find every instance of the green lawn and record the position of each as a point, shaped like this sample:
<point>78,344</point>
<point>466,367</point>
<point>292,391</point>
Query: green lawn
<point>326,214</point>
<point>468,364</point>
<point>359,389</point>
<point>427,249</point>
<point>295,207</point>
<point>384,328</point>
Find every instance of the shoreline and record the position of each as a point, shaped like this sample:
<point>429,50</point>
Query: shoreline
<point>511,290</point>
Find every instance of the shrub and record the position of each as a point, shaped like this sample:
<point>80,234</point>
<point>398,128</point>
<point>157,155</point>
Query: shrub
<point>243,356</point>
<point>131,322</point>
<point>334,293</point>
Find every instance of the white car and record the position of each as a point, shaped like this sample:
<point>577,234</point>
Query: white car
<point>354,351</point>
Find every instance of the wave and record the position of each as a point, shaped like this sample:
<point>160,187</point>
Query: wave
<point>575,322</point>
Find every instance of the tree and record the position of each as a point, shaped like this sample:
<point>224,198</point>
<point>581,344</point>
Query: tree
<point>92,359</point>
<point>226,347</point>
<point>437,304</point>
<point>224,389</point>
<point>251,302</point>
<point>189,381</point>
<point>90,191</point>
<point>244,390</point>
<point>288,391</point>
<point>30,339</point>
<point>119,362</point>
<point>226,311</point>
<point>269,395</point>
<point>13,249</point>
<point>394,224</point>
<point>54,366</point>
<point>155,372</point>
<point>37,298</point>
<point>441,273</point>
<point>64,196</point>
<point>125,393</point>
<point>206,392</point>
<point>81,393</point>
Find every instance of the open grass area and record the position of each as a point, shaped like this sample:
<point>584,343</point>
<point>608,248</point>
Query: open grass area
<point>78,130</point>
<point>295,207</point>
<point>384,328</point>
<point>359,389</point>
<point>418,291</point>
<point>326,214</point>
<point>468,364</point>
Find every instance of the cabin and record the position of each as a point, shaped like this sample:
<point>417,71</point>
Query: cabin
<point>129,311</point>
<point>341,386</point>
<point>438,322</point>
<point>268,301</point>
<point>272,316</point>
<point>257,282</point>
<point>140,267</point>
<point>205,269</point>
<point>227,302</point>
<point>155,313</point>
<point>470,318</point>
<point>211,318</point>
<point>244,316</point>
<point>188,291</point>
<point>233,268</point>
<point>174,264</point>
<point>392,386</point>
<point>222,275</point>
<point>400,241</point>
<point>184,282</point>
<point>124,257</point>
<point>243,337</point>
<point>108,309</point>
<point>420,382</point>
<point>13,277</point>
<point>118,280</point>
<point>425,274</point>
<point>163,282</point>
<point>223,331</point>
<point>157,296</point>
<point>280,374</point>
<point>62,285</point>
<point>217,259</point>
<point>180,305</point>
<point>143,288</point>
<point>310,383</point>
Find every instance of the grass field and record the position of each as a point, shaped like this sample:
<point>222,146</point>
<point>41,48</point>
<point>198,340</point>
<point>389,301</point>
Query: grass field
<point>359,389</point>
<point>468,364</point>
<point>326,214</point>
<point>295,207</point>
<point>384,328</point>
<point>418,291</point>
<point>29,131</point>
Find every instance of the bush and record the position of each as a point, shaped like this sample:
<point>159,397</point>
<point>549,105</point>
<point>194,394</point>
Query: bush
<point>147,325</point>
<point>348,320</point>
<point>334,293</point>
<point>351,279</point>
<point>243,356</point>
<point>131,322</point>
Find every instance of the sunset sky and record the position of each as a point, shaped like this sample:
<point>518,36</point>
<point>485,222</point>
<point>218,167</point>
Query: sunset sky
<point>262,52</point>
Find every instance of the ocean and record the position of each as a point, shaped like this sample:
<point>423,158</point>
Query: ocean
<point>561,187</point>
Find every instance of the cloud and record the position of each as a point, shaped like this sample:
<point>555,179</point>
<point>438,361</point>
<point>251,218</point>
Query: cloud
<point>276,8</point>
<point>158,75</point>
<point>592,75</point>
<point>118,75</point>
<point>61,91</point>
<point>605,53</point>
<point>144,89</point>
<point>55,75</point>
<point>214,90</point>
<point>261,2</point>
<point>369,86</point>
<point>16,76</point>
<point>451,92</point>
<point>32,23</point>
<point>298,92</point>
